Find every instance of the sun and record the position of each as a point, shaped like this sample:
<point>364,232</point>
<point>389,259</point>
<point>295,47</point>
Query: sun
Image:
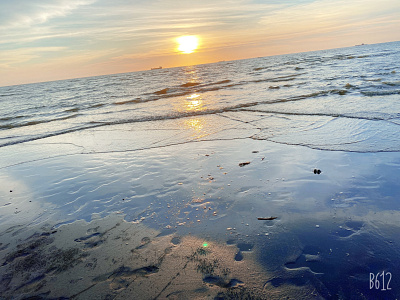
<point>187,43</point>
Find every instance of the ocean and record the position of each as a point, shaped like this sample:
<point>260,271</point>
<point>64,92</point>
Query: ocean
<point>347,94</point>
<point>205,150</point>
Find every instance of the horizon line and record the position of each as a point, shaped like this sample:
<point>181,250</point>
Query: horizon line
<point>149,69</point>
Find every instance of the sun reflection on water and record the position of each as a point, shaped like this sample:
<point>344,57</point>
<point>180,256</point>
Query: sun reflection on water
<point>196,127</point>
<point>194,124</point>
<point>194,103</point>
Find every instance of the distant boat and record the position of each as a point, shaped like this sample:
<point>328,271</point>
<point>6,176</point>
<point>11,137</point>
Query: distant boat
<point>156,68</point>
<point>361,44</point>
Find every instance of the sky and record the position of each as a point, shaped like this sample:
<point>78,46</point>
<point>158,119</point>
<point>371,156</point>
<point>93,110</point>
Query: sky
<point>45,40</point>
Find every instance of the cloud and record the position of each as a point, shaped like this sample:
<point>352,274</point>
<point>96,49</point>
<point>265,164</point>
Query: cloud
<point>23,55</point>
<point>326,16</point>
<point>90,23</point>
<point>25,13</point>
<point>144,26</point>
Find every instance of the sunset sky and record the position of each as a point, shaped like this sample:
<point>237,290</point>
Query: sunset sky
<point>43,40</point>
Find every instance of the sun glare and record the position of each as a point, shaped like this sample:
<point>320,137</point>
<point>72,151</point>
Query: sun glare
<point>187,43</point>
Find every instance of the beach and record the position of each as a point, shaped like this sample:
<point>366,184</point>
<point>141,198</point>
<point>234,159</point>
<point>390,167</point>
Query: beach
<point>155,192</point>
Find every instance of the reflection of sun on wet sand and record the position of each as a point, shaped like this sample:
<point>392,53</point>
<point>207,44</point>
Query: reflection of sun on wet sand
<point>113,258</point>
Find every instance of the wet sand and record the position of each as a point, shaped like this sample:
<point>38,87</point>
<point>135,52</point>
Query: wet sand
<point>101,218</point>
<point>109,258</point>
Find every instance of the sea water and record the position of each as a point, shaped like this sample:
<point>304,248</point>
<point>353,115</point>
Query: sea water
<point>342,99</point>
<point>163,147</point>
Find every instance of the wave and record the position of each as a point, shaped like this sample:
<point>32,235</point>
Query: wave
<point>10,118</point>
<point>95,124</point>
<point>183,90</point>
<point>380,93</point>
<point>32,123</point>
<point>217,83</point>
<point>137,100</point>
<point>173,115</point>
<point>379,117</point>
<point>9,95</point>
<point>75,109</point>
<point>196,87</point>
<point>162,92</point>
<point>393,83</point>
<point>190,84</point>
<point>97,105</point>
